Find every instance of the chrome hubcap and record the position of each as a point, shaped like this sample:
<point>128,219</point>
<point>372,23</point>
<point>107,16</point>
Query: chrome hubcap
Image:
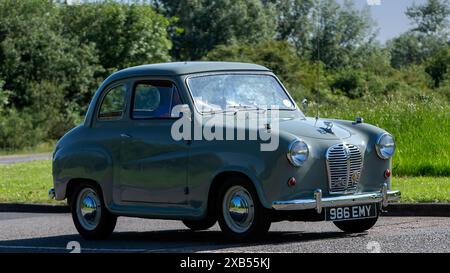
<point>238,209</point>
<point>88,209</point>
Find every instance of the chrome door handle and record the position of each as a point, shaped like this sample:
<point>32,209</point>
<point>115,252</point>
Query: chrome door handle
<point>123,135</point>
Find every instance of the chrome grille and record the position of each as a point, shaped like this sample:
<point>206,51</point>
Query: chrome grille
<point>344,166</point>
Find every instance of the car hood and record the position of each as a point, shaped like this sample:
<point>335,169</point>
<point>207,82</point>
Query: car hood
<point>312,128</point>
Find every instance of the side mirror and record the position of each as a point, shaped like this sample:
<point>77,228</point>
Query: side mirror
<point>305,104</point>
<point>180,110</point>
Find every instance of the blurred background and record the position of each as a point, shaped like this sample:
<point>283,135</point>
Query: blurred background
<point>386,61</point>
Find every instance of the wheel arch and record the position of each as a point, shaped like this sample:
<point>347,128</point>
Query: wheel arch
<point>220,177</point>
<point>72,184</point>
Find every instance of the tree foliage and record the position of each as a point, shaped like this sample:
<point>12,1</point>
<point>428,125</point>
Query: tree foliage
<point>431,18</point>
<point>295,23</point>
<point>430,33</point>
<point>340,31</point>
<point>438,66</point>
<point>205,24</point>
<point>123,35</point>
<point>53,55</point>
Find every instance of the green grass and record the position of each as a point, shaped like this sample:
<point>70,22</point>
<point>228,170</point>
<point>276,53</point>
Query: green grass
<point>421,128</point>
<point>424,189</point>
<point>29,182</point>
<point>26,182</point>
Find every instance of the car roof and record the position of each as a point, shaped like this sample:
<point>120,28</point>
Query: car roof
<point>183,68</point>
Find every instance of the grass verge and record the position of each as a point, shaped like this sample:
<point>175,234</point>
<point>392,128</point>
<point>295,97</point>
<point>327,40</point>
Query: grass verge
<point>29,182</point>
<point>420,126</point>
<point>26,182</point>
<point>41,148</point>
<point>423,189</point>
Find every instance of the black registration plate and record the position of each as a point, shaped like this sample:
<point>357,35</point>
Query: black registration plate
<point>351,212</point>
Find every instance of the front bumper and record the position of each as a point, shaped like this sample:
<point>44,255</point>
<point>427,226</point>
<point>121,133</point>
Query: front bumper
<point>384,196</point>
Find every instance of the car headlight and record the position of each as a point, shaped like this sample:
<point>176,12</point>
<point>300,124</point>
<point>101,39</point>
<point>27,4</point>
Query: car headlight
<point>385,146</point>
<point>298,153</point>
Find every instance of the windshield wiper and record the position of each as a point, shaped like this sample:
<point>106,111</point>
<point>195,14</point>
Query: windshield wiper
<point>214,112</point>
<point>247,107</point>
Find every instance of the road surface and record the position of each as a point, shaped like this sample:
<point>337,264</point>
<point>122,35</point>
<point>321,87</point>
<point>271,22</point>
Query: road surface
<point>11,159</point>
<point>28,232</point>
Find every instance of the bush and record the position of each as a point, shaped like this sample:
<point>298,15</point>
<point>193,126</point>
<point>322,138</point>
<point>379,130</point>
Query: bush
<point>50,111</point>
<point>17,131</point>
<point>350,83</point>
<point>439,66</point>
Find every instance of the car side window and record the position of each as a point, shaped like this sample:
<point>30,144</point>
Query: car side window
<point>154,99</point>
<point>113,104</point>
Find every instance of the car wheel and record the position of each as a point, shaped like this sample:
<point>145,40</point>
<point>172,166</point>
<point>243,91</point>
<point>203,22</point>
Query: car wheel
<point>241,215</point>
<point>356,226</point>
<point>90,216</point>
<point>200,224</point>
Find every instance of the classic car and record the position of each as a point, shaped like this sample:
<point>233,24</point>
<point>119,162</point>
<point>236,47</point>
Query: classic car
<point>125,160</point>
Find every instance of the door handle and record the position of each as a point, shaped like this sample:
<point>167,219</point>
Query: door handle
<point>124,135</point>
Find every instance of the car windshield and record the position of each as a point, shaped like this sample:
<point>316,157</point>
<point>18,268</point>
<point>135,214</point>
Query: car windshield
<point>231,92</point>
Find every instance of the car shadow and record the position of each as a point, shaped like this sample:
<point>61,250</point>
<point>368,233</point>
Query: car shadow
<point>177,240</point>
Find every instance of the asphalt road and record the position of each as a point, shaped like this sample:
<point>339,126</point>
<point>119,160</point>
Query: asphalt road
<point>28,232</point>
<point>11,159</point>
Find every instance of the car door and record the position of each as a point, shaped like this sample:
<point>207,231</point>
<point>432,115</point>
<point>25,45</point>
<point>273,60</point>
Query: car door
<point>153,166</point>
<point>105,135</point>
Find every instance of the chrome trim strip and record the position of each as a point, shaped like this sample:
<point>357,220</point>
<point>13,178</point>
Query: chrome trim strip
<point>384,196</point>
<point>318,198</point>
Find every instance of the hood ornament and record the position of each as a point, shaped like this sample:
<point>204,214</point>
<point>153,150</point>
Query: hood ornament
<point>329,124</point>
<point>328,128</point>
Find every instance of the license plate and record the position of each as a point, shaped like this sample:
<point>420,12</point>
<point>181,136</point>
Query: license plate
<point>351,212</point>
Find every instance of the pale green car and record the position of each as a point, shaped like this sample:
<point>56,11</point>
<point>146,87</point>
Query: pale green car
<point>134,155</point>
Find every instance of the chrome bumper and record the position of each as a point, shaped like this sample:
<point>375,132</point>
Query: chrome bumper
<point>51,194</point>
<point>384,196</point>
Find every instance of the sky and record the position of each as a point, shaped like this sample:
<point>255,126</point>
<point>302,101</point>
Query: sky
<point>389,15</point>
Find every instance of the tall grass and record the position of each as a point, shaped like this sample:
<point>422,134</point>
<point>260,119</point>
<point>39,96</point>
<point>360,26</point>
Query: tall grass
<point>421,127</point>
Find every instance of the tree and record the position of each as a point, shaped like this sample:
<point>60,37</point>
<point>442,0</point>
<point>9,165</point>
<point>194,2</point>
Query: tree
<point>47,77</point>
<point>295,24</point>
<point>32,49</point>
<point>123,35</point>
<point>205,24</point>
<point>406,50</point>
<point>430,33</point>
<point>339,32</point>
<point>431,18</point>
<point>438,67</point>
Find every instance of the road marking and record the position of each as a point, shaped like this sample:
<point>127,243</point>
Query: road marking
<point>83,249</point>
<point>67,250</point>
